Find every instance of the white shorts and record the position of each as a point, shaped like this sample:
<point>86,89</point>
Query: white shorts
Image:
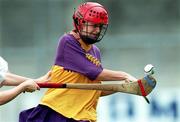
<point>3,69</point>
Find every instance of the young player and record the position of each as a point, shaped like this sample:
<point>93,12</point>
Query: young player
<point>78,60</point>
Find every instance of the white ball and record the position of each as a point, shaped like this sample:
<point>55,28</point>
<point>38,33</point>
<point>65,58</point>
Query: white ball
<point>148,69</point>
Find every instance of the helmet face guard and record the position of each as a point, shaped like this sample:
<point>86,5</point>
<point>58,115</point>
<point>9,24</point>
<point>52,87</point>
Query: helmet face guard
<point>90,37</point>
<point>90,15</point>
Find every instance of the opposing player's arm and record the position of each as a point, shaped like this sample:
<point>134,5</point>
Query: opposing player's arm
<point>13,79</point>
<point>8,95</point>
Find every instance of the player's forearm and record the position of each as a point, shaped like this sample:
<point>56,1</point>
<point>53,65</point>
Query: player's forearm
<point>6,96</point>
<point>109,75</point>
<point>13,80</point>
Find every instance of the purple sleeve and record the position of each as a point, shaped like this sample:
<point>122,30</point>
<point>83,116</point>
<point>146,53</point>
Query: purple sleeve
<point>71,56</point>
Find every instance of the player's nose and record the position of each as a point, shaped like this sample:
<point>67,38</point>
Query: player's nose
<point>97,29</point>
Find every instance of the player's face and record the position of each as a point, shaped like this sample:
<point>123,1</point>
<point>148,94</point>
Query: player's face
<point>91,30</point>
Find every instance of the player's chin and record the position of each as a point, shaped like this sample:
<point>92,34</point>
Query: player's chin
<point>93,36</point>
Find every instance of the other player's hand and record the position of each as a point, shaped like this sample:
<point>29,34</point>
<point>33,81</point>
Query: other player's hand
<point>30,86</point>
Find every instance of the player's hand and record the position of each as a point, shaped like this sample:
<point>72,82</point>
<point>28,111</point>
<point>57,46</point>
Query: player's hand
<point>44,78</point>
<point>130,78</point>
<point>30,86</point>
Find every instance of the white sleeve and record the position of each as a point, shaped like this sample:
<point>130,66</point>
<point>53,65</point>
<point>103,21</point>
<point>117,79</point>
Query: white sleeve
<point>3,69</point>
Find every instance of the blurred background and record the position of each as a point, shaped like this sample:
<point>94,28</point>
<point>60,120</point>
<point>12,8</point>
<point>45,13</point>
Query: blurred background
<point>140,32</point>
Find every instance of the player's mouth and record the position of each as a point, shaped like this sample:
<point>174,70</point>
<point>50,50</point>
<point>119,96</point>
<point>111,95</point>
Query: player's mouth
<point>94,35</point>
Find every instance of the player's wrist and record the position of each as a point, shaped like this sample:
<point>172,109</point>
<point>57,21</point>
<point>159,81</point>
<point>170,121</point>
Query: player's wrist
<point>22,87</point>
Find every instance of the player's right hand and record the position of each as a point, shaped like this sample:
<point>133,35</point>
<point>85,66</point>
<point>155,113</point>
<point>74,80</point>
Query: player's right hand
<point>130,78</point>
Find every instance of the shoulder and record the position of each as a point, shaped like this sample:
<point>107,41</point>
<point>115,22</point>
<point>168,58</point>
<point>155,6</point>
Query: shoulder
<point>68,44</point>
<point>67,38</point>
<point>3,65</point>
<point>3,69</point>
<point>95,48</point>
<point>1,59</point>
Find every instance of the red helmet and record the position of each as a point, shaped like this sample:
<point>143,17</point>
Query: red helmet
<point>90,12</point>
